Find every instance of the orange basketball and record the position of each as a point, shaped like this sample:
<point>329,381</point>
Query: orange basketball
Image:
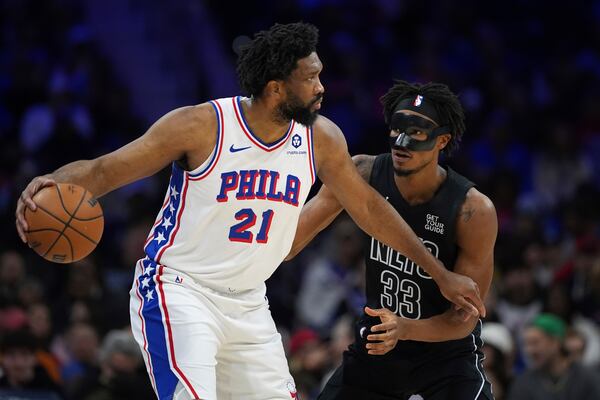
<point>67,224</point>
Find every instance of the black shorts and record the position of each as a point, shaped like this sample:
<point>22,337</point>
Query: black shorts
<point>457,378</point>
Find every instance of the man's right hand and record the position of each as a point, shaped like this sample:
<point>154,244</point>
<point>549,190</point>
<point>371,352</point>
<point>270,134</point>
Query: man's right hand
<point>462,291</point>
<point>26,201</point>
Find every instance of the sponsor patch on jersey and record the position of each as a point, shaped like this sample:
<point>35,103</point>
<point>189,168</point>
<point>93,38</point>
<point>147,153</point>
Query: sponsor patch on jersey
<point>434,225</point>
<point>296,152</point>
<point>296,141</point>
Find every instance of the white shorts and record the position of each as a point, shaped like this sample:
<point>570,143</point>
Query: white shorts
<point>215,345</point>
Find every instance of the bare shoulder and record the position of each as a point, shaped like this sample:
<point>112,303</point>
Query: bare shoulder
<point>191,120</point>
<point>331,150</point>
<point>477,207</point>
<point>192,129</point>
<point>202,113</point>
<point>325,130</point>
<point>364,164</point>
<point>186,134</point>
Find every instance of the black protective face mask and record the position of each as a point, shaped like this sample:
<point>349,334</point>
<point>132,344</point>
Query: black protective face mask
<point>407,125</point>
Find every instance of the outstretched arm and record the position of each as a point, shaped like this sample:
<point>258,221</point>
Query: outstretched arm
<point>322,209</point>
<point>379,219</point>
<point>171,138</point>
<point>476,231</point>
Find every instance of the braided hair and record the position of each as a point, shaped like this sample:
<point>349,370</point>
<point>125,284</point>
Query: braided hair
<point>445,102</point>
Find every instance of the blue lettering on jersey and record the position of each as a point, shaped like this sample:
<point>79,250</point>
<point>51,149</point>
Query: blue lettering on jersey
<point>292,190</point>
<point>273,194</point>
<point>259,184</point>
<point>247,183</point>
<point>262,184</point>
<point>229,181</point>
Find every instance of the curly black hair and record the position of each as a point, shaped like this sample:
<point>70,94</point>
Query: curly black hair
<point>274,54</point>
<point>445,102</point>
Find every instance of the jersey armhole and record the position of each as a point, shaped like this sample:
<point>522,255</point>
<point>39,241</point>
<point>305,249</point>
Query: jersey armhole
<point>461,186</point>
<point>207,166</point>
<point>311,154</point>
<point>376,166</point>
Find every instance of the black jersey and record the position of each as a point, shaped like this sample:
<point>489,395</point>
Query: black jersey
<point>398,284</point>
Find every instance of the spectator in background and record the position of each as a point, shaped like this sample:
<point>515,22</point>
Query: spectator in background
<point>577,275</point>
<point>308,360</point>
<point>20,369</point>
<point>552,375</point>
<point>575,345</point>
<point>498,348</point>
<point>330,284</point>
<point>31,293</point>
<point>122,375</point>
<point>559,168</point>
<point>559,303</point>
<point>40,326</point>
<point>12,276</point>
<point>83,300</point>
<point>82,343</point>
<point>342,336</point>
<point>54,131</point>
<point>519,301</point>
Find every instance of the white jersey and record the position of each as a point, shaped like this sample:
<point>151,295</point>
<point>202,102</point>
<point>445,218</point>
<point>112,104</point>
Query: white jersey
<point>229,223</point>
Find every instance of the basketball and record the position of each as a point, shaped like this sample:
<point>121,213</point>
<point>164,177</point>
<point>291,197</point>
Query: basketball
<point>67,224</point>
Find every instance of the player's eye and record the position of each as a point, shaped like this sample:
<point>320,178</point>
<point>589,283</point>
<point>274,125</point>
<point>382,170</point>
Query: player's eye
<point>415,132</point>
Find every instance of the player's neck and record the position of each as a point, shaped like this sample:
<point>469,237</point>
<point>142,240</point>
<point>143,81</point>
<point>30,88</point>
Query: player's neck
<point>420,187</point>
<point>259,117</point>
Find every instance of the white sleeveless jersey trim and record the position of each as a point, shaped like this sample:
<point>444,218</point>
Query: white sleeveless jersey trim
<point>311,149</point>
<point>229,223</point>
<point>206,167</point>
<point>239,113</point>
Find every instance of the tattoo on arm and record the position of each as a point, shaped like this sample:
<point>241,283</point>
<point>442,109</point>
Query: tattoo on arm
<point>364,164</point>
<point>467,214</point>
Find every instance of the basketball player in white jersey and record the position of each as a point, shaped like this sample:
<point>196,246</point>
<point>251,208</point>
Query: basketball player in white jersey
<point>242,168</point>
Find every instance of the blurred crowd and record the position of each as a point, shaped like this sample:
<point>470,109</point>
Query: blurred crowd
<point>529,79</point>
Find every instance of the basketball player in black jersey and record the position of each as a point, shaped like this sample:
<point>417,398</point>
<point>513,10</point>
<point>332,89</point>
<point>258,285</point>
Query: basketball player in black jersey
<point>411,343</point>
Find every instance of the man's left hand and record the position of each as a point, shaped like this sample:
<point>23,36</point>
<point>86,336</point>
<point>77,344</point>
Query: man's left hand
<point>387,333</point>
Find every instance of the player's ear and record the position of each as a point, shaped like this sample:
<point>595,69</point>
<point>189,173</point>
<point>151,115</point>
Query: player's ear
<point>444,140</point>
<point>274,88</point>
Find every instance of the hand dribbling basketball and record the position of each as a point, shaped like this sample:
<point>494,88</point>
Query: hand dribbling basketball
<point>61,222</point>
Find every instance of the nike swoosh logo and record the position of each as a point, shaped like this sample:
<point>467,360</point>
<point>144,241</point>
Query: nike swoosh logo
<point>234,150</point>
<point>362,331</point>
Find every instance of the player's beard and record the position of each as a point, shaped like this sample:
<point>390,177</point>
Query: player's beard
<point>295,109</point>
